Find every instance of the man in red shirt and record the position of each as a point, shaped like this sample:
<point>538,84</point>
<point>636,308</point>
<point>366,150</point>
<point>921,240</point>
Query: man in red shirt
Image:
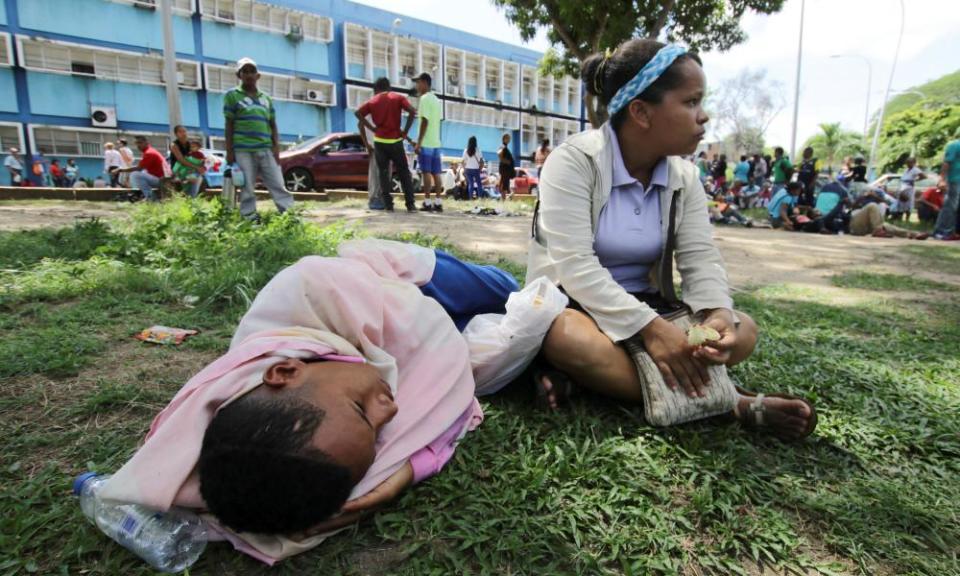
<point>930,204</point>
<point>385,108</point>
<point>147,174</point>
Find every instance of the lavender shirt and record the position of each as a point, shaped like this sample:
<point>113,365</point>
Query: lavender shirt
<point>628,239</point>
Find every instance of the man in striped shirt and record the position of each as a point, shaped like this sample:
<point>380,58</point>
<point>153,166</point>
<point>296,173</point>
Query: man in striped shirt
<point>253,141</point>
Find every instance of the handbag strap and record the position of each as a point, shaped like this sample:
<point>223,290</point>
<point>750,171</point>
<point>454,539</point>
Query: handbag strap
<point>667,290</point>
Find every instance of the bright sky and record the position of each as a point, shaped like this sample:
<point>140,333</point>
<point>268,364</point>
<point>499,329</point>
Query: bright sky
<point>831,89</point>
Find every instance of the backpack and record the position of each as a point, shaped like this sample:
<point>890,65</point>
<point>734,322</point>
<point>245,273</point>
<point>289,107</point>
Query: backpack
<point>808,171</point>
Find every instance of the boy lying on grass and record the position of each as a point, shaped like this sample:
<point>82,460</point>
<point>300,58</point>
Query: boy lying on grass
<point>345,382</point>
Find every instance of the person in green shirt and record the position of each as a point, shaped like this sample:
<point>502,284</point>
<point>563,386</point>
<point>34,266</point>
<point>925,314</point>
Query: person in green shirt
<point>428,143</point>
<point>782,169</point>
<point>253,143</point>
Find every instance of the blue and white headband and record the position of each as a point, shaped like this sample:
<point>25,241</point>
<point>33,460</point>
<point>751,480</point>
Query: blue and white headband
<point>645,77</point>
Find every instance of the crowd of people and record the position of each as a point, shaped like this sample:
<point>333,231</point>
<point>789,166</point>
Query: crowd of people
<point>801,198</point>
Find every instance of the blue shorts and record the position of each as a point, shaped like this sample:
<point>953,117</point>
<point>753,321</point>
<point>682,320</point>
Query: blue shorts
<point>465,289</point>
<point>429,161</point>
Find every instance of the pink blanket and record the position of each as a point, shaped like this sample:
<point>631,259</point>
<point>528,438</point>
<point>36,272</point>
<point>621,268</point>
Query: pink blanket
<point>364,304</point>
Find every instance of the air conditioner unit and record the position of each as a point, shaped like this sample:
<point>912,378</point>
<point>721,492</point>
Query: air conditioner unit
<point>295,34</point>
<point>146,4</point>
<point>226,15</point>
<point>103,116</point>
<point>526,103</point>
<point>404,82</point>
<point>314,95</point>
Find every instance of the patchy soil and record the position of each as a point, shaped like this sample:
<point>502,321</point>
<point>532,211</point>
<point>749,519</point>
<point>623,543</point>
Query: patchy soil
<point>24,215</point>
<point>754,257</point>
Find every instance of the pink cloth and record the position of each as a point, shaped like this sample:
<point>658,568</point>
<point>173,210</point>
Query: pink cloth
<point>364,304</point>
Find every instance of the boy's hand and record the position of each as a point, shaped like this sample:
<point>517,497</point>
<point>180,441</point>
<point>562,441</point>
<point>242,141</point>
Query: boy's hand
<point>385,492</point>
<point>354,510</point>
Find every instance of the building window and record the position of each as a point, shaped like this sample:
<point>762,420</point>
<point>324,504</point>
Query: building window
<point>277,86</point>
<point>6,50</point>
<point>10,136</point>
<point>294,24</point>
<point>357,95</point>
<point>88,142</point>
<point>102,63</point>
<point>180,7</point>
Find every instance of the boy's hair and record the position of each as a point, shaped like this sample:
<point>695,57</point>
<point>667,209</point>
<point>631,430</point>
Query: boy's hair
<point>258,472</point>
<point>794,186</point>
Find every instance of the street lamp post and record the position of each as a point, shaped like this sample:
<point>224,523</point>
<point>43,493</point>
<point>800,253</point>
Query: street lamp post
<point>886,96</point>
<point>866,109</point>
<point>386,53</point>
<point>796,90</point>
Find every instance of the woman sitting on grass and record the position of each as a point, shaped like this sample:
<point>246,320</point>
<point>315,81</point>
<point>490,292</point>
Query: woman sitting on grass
<point>605,205</point>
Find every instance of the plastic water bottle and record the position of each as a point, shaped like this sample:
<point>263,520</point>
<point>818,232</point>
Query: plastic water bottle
<point>168,541</point>
<point>227,193</point>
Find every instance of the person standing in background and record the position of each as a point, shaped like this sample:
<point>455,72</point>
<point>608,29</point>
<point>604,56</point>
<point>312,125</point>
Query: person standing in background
<point>428,144</point>
<point>386,109</point>
<point>14,167</point>
<point>540,156</point>
<point>253,141</point>
<point>71,172</point>
<point>126,155</point>
<point>507,168</point>
<point>113,164</point>
<point>374,194</point>
<point>946,228</point>
<point>807,175</point>
<point>472,164</point>
<point>908,192</point>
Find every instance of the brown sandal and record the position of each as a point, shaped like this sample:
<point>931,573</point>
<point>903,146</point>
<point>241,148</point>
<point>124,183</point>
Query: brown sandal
<point>755,416</point>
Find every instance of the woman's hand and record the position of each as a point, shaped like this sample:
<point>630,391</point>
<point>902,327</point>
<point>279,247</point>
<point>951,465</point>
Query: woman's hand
<point>668,347</point>
<point>353,510</point>
<point>718,351</point>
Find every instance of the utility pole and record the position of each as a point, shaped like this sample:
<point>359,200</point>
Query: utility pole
<point>872,171</point>
<point>170,64</point>
<point>796,89</point>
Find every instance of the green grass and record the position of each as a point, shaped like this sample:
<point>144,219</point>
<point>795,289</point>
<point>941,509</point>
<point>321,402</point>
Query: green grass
<point>589,490</point>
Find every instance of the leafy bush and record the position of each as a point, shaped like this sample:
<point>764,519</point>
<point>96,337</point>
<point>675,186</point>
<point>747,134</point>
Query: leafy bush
<point>22,248</point>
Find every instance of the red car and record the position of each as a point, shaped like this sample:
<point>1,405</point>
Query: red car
<point>525,182</point>
<point>336,160</point>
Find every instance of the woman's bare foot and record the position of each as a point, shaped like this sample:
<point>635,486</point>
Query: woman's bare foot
<point>553,387</point>
<point>786,417</point>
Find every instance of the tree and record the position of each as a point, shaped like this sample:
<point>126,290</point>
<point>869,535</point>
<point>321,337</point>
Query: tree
<point>833,143</point>
<point>578,28</point>
<point>919,132</point>
<point>744,107</point>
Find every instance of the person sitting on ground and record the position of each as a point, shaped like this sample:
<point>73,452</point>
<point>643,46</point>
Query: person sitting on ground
<point>184,160</point>
<point>931,202</point>
<point>781,209</point>
<point>346,381</point>
<point>868,218</point>
<point>147,174</point>
<point>832,203</point>
<point>56,173</point>
<point>191,167</point>
<point>606,200</point>
<point>722,211</point>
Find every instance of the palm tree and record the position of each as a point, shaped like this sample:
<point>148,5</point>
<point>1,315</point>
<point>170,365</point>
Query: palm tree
<point>834,142</point>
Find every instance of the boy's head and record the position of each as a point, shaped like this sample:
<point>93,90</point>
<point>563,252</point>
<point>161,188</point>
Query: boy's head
<point>794,188</point>
<point>807,153</point>
<point>286,455</point>
<point>381,84</point>
<point>778,152</point>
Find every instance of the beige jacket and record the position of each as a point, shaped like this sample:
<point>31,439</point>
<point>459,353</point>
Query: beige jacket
<point>574,186</point>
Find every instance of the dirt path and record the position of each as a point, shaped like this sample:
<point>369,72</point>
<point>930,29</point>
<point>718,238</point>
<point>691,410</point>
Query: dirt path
<point>753,257</point>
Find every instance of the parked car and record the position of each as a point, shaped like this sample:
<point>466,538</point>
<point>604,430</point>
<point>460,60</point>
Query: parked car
<point>891,184</point>
<point>525,183</point>
<point>336,160</point>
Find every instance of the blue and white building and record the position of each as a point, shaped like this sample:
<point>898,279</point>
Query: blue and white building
<point>75,74</point>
